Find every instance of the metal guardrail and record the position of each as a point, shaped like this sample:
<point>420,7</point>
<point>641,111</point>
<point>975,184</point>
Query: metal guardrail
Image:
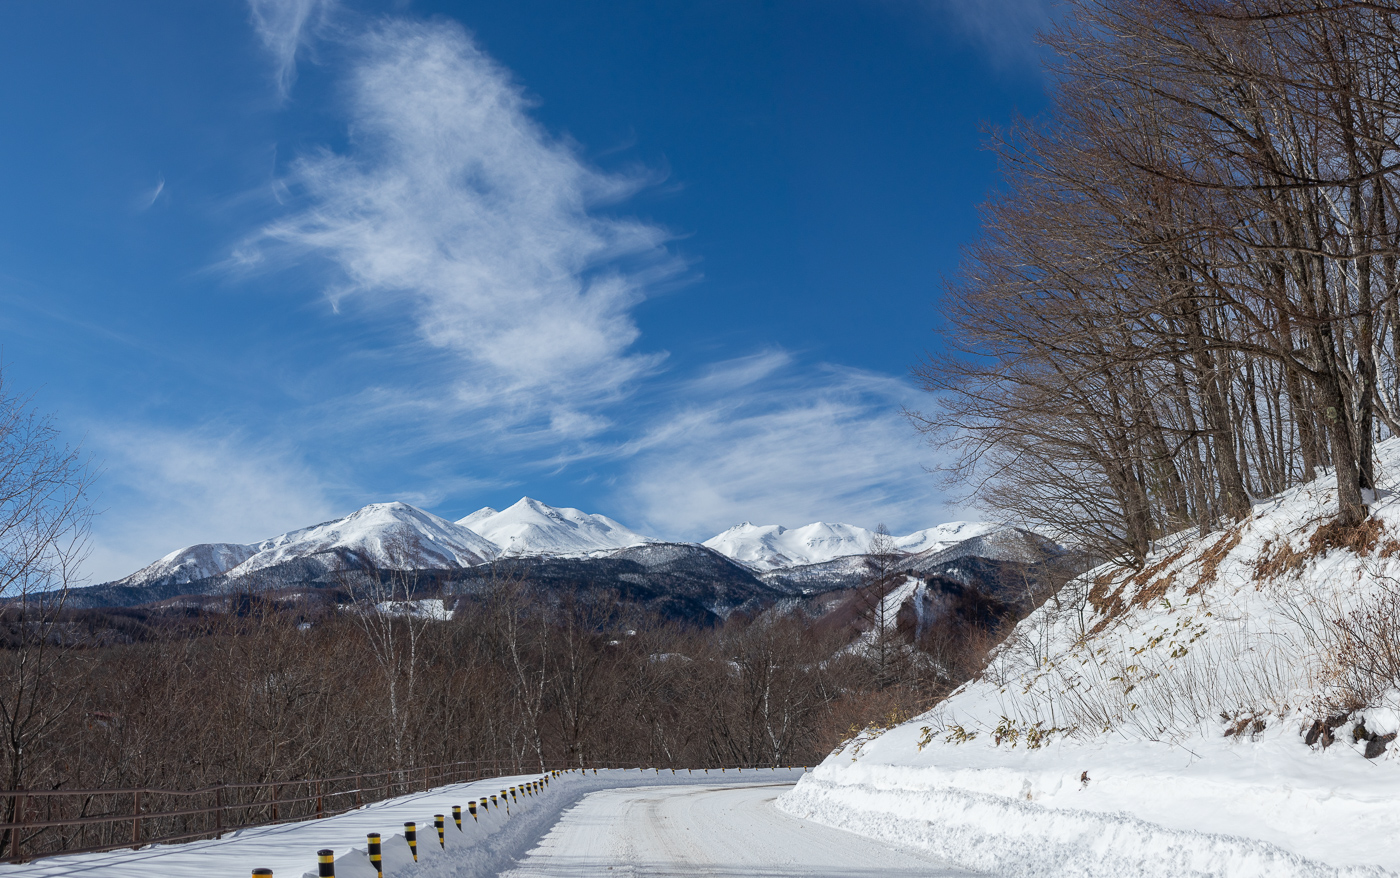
<point>48,822</point>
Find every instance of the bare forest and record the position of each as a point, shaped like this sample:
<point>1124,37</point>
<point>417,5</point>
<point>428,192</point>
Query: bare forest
<point>1185,296</point>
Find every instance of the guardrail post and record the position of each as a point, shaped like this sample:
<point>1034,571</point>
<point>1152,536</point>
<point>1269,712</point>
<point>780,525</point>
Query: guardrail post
<point>275,792</point>
<point>17,834</point>
<point>136,821</point>
<point>219,811</point>
<point>320,809</point>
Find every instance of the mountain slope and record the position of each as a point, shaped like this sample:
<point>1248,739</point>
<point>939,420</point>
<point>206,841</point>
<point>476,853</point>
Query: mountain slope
<point>773,547</point>
<point>533,528</point>
<point>189,564</point>
<point>387,534</point>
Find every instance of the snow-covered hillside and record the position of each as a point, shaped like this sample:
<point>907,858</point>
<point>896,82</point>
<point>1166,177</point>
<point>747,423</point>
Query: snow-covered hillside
<point>532,528</point>
<point>772,546</point>
<point>1228,710</point>
<point>389,534</point>
<point>191,563</point>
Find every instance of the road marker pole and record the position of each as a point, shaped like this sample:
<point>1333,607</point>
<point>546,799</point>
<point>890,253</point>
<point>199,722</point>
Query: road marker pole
<point>325,863</point>
<point>410,835</point>
<point>376,853</point>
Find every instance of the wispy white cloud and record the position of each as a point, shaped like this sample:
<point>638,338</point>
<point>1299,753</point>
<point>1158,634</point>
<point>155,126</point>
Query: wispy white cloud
<point>150,199</point>
<point>285,26</point>
<point>1007,29</point>
<point>162,490</point>
<point>765,439</point>
<point>455,209</point>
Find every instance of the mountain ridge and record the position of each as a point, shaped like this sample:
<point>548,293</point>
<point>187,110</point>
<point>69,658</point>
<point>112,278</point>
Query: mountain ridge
<point>397,535</point>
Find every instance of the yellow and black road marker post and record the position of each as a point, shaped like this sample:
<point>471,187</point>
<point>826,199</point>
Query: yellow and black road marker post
<point>471,806</point>
<point>457,816</point>
<point>376,853</point>
<point>262,873</point>
<point>325,863</point>
<point>410,835</point>
<point>493,801</point>
<point>440,823</point>
<point>512,794</point>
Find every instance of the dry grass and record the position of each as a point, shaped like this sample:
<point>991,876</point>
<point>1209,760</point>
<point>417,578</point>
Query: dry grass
<point>1361,538</point>
<point>1211,558</point>
<point>1273,564</point>
<point>1154,592</point>
<point>1108,604</point>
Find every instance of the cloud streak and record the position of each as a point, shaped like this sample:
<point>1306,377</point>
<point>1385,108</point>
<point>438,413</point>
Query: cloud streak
<point>453,207</point>
<point>284,27</point>
<point>165,489</point>
<point>1007,29</point>
<point>764,439</point>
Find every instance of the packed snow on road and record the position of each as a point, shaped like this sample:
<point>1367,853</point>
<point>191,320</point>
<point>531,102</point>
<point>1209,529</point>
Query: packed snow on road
<point>632,821</point>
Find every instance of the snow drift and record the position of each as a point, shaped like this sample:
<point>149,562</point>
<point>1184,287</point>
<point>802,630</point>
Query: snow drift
<point>1210,714</point>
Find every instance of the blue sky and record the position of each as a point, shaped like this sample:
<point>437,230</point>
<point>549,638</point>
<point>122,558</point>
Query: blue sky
<point>269,261</point>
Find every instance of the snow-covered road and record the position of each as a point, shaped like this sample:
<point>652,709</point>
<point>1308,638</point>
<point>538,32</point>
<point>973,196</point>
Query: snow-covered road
<point>709,830</point>
<point>624,822</point>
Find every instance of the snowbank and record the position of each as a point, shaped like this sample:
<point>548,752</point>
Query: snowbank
<point>1173,721</point>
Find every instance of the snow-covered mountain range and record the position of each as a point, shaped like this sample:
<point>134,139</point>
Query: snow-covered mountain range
<point>398,535</point>
<point>772,546</point>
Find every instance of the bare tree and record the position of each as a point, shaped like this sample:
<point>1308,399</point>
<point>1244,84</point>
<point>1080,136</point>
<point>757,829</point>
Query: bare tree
<point>875,603</point>
<point>384,591</point>
<point>44,520</point>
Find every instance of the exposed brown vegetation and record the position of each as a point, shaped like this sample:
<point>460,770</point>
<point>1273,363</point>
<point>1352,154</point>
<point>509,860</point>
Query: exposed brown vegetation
<point>1211,558</point>
<point>1155,591</point>
<point>1360,538</point>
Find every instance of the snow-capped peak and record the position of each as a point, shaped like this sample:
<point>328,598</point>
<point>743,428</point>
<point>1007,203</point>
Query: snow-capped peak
<point>772,546</point>
<point>530,527</point>
<point>392,534</point>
